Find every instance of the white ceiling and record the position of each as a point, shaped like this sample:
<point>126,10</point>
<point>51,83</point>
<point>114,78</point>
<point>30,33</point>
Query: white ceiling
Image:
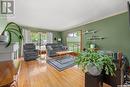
<point>61,15</point>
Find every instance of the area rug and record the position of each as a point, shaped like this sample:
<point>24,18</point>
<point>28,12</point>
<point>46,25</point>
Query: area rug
<point>62,64</point>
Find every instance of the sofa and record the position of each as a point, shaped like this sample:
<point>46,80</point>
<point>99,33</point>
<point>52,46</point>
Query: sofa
<point>52,48</point>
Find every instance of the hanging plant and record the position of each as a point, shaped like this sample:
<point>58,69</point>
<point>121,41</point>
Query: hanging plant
<point>12,29</point>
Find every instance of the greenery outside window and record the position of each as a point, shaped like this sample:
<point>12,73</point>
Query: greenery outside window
<point>73,41</point>
<point>40,39</point>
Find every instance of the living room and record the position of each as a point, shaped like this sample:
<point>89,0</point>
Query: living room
<point>60,31</point>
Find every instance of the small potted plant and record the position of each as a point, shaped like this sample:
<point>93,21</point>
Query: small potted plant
<point>11,29</point>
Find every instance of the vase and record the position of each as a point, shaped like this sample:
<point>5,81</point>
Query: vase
<point>92,46</point>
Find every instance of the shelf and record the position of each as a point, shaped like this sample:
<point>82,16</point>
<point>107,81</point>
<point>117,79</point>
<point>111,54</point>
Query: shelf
<point>91,32</point>
<point>95,38</point>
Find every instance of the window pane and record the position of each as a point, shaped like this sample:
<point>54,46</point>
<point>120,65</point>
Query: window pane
<point>70,35</point>
<point>40,39</point>
<point>73,41</point>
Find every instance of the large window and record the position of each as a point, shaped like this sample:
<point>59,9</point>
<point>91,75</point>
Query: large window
<point>73,41</point>
<point>40,39</point>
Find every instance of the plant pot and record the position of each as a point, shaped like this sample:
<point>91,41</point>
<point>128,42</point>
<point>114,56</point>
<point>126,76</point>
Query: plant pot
<point>3,38</point>
<point>93,70</point>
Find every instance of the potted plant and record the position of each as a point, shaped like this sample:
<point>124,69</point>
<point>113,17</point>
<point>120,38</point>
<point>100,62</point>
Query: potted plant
<point>11,29</point>
<point>94,63</point>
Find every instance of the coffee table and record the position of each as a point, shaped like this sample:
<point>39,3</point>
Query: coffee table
<point>64,52</point>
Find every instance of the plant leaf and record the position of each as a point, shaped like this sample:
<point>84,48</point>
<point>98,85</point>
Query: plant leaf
<point>9,40</point>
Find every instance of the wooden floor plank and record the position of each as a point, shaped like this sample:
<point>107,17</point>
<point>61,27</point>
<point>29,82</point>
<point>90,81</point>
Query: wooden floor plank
<point>37,74</point>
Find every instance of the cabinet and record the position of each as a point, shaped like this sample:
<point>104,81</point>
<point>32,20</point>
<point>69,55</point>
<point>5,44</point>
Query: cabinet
<point>9,53</point>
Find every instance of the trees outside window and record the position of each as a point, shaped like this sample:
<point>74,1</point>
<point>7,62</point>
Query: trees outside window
<point>40,39</point>
<point>73,41</point>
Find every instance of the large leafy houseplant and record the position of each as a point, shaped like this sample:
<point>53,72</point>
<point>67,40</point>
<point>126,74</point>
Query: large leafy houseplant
<point>91,60</point>
<point>12,29</point>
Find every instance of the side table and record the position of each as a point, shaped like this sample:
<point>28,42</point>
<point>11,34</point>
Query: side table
<point>93,81</point>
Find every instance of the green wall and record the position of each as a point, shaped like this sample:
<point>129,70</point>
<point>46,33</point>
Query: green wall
<point>3,22</point>
<point>114,29</point>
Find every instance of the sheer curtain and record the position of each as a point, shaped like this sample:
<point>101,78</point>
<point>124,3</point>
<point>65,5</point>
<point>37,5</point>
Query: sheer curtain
<point>27,36</point>
<point>49,37</point>
<point>27,39</point>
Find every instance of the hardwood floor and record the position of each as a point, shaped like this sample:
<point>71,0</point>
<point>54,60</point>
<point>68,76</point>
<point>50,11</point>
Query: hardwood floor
<point>37,74</point>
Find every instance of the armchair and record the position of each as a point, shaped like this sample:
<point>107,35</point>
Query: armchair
<point>30,52</point>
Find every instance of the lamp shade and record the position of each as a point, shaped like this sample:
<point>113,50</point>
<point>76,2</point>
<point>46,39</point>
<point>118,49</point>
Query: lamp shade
<point>59,39</point>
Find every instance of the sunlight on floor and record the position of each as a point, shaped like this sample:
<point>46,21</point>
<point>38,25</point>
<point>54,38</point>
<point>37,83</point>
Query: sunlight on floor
<point>38,70</point>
